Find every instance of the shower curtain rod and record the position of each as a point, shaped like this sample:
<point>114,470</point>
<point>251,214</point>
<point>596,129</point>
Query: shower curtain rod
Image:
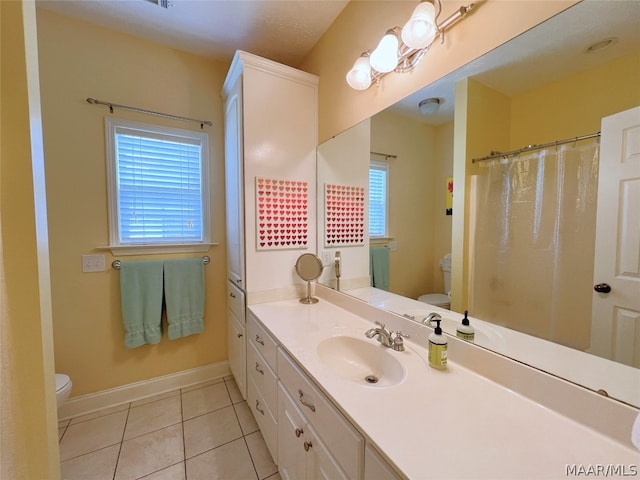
<point>385,155</point>
<point>111,106</point>
<point>534,147</point>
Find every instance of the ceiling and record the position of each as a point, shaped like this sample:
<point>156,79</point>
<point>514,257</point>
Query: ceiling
<point>281,30</point>
<point>286,30</point>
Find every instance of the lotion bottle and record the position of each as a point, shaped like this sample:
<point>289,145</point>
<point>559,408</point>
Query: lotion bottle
<point>464,330</point>
<point>437,348</point>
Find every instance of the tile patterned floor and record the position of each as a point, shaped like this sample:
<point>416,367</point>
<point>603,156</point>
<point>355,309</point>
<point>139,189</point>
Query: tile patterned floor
<point>202,432</point>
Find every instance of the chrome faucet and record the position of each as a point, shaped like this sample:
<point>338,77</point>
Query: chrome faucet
<point>386,338</point>
<point>431,318</point>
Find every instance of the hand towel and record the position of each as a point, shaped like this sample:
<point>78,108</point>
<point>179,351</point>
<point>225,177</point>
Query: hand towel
<point>379,267</point>
<point>141,298</point>
<point>184,296</point>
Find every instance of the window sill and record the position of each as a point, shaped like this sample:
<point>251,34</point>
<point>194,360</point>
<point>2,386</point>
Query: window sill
<point>157,249</point>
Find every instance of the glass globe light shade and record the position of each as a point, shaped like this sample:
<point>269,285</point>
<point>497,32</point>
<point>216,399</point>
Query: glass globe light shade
<point>385,57</point>
<point>420,31</point>
<point>359,77</point>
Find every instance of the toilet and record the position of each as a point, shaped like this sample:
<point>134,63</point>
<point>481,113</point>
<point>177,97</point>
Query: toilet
<point>441,300</point>
<point>63,388</point>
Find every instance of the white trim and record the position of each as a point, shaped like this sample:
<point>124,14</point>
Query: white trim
<point>112,125</point>
<point>157,249</point>
<point>92,402</point>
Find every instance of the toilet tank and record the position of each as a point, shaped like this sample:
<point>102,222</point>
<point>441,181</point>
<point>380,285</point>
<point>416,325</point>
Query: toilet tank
<point>445,264</point>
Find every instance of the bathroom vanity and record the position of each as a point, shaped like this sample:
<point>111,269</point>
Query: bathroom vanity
<point>308,387</point>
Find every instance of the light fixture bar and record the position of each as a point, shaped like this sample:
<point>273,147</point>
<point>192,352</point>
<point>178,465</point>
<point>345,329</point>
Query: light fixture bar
<point>421,27</point>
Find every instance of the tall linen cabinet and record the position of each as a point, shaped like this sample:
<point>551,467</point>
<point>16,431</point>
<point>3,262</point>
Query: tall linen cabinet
<point>270,134</point>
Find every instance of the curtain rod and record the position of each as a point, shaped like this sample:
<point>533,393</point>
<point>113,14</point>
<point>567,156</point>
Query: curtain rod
<point>385,155</point>
<point>111,106</point>
<point>534,147</point>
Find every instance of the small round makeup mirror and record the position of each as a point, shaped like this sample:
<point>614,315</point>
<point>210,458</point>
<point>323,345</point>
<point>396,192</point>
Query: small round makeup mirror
<point>308,268</point>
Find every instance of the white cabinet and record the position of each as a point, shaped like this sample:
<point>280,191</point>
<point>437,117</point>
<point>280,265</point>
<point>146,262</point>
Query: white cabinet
<point>234,178</point>
<point>262,383</point>
<point>326,445</point>
<point>236,336</point>
<point>270,132</point>
<point>302,454</point>
<point>376,467</point>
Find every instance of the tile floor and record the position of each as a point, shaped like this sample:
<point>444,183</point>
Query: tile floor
<point>202,432</point>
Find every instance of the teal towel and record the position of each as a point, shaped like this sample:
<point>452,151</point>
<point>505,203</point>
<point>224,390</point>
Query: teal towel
<point>184,296</point>
<point>379,267</point>
<point>141,297</point>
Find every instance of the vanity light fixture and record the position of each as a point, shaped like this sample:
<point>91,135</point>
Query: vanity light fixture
<point>429,106</point>
<point>401,49</point>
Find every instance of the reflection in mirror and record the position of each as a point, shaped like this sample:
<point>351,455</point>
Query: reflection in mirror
<point>308,268</point>
<point>543,86</point>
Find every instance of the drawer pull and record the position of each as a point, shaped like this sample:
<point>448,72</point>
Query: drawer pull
<point>232,295</point>
<point>307,446</point>
<point>259,369</point>
<point>258,407</point>
<point>310,406</point>
<point>259,340</point>
<point>239,335</point>
<point>299,432</point>
<point>239,282</point>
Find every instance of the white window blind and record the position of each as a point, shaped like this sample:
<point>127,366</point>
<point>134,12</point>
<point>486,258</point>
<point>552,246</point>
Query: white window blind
<point>378,204</point>
<point>159,185</point>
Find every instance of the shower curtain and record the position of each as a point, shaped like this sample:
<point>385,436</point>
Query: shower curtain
<point>532,242</point>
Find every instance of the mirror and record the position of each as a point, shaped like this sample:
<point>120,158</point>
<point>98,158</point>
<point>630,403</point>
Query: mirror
<point>420,152</point>
<point>308,268</point>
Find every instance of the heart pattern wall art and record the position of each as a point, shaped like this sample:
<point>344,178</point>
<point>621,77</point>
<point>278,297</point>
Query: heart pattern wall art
<point>344,215</point>
<point>281,214</point>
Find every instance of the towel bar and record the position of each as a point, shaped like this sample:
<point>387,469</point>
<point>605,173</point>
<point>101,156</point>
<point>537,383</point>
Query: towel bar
<point>116,263</point>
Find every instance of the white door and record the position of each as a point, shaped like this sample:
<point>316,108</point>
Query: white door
<point>615,329</point>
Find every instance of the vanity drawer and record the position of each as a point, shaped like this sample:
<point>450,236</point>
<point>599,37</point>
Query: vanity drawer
<point>235,301</point>
<point>264,416</point>
<point>263,377</point>
<point>263,342</point>
<point>346,444</point>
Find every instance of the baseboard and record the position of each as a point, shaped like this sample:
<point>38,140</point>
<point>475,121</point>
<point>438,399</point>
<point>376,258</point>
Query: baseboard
<point>89,403</point>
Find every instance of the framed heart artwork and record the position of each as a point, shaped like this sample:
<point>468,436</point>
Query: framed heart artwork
<point>344,215</point>
<point>282,220</point>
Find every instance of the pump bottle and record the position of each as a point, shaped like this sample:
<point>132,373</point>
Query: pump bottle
<point>464,330</point>
<point>438,348</point>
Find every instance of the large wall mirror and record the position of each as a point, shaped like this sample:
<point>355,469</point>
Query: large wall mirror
<point>554,82</point>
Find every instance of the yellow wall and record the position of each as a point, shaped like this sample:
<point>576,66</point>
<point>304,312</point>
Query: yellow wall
<point>441,226</point>
<point>575,105</point>
<point>79,60</point>
<point>412,183</point>
<point>29,441</point>
<point>359,28</point>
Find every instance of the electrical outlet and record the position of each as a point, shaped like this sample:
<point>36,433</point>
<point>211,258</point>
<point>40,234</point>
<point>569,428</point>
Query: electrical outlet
<point>326,258</point>
<point>93,263</point>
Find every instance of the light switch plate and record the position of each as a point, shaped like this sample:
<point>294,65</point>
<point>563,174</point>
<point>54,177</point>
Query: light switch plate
<point>93,263</point>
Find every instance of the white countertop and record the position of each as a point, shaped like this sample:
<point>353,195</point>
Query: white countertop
<point>441,424</point>
<point>618,380</point>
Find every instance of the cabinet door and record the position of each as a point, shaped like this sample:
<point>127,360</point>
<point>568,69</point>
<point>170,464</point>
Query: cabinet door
<point>320,463</point>
<point>376,467</point>
<point>291,425</point>
<point>234,187</point>
<point>237,347</point>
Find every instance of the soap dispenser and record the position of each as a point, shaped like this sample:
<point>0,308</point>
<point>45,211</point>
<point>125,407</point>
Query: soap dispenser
<point>438,348</point>
<point>464,330</point>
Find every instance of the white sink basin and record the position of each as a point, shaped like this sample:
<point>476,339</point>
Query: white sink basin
<point>361,361</point>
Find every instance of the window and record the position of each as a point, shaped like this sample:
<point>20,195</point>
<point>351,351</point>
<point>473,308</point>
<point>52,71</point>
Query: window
<point>378,199</point>
<point>158,186</point>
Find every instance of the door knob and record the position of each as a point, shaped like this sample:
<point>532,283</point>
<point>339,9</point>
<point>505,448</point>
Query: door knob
<point>602,288</point>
